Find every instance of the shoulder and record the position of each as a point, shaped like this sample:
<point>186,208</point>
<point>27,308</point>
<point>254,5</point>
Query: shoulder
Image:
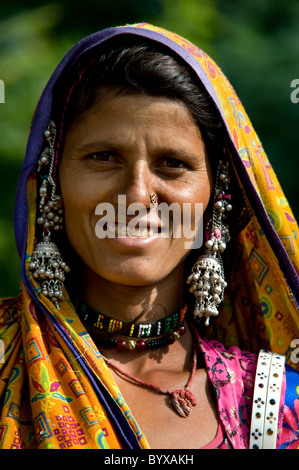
<point>236,362</point>
<point>232,374</point>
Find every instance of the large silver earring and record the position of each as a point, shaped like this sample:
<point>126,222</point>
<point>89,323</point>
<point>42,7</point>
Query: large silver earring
<point>206,280</point>
<point>46,263</point>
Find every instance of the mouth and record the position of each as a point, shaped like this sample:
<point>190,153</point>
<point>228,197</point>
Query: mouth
<point>118,230</point>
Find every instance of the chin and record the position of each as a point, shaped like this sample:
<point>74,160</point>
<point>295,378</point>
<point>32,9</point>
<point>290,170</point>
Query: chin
<point>137,278</point>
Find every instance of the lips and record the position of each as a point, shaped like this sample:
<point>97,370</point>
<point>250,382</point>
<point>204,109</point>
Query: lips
<point>122,230</point>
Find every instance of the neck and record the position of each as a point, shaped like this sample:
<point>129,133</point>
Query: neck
<point>128,302</point>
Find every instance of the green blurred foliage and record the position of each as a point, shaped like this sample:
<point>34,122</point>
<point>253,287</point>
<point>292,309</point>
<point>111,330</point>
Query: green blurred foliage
<point>255,42</point>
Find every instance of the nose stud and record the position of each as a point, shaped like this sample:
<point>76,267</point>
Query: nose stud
<point>153,198</point>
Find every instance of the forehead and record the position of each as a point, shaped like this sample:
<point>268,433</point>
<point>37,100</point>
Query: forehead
<point>122,116</point>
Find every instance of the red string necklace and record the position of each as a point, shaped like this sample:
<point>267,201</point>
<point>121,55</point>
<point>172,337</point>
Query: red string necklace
<point>181,399</point>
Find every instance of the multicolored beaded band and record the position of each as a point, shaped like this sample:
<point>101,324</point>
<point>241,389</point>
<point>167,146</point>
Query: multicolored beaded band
<point>142,345</point>
<point>136,330</point>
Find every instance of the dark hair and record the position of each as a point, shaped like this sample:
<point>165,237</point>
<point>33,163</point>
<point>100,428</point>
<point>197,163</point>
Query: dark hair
<point>142,68</point>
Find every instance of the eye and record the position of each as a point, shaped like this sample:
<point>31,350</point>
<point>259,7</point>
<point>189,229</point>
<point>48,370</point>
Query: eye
<point>172,163</point>
<point>105,156</point>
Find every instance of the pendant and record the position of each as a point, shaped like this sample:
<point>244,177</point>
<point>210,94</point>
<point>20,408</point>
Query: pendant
<point>182,400</point>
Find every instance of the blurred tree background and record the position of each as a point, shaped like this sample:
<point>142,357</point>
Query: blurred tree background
<point>255,42</point>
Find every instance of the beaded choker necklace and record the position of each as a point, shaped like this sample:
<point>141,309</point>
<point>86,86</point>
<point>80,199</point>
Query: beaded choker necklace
<point>138,330</point>
<point>164,332</point>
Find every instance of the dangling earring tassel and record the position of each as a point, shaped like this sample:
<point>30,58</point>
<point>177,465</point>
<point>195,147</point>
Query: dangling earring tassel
<point>49,270</point>
<point>206,280</point>
<point>46,263</point>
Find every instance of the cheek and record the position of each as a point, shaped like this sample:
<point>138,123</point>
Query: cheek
<point>79,211</point>
<point>197,189</point>
<point>197,206</point>
<point>78,202</point>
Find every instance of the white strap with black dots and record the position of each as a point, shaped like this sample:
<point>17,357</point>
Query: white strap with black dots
<point>266,399</point>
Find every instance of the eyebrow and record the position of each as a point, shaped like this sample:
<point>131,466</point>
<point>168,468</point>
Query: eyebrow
<point>102,145</point>
<point>180,153</point>
<point>93,146</point>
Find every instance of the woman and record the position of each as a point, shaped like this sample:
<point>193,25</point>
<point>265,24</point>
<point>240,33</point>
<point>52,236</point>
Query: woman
<point>105,346</point>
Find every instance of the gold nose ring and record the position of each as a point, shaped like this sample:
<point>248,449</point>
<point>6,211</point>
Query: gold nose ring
<point>153,198</point>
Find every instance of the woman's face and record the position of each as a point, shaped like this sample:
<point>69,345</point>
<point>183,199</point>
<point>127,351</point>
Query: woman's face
<point>132,146</point>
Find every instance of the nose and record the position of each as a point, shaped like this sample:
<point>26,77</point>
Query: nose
<point>137,183</point>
